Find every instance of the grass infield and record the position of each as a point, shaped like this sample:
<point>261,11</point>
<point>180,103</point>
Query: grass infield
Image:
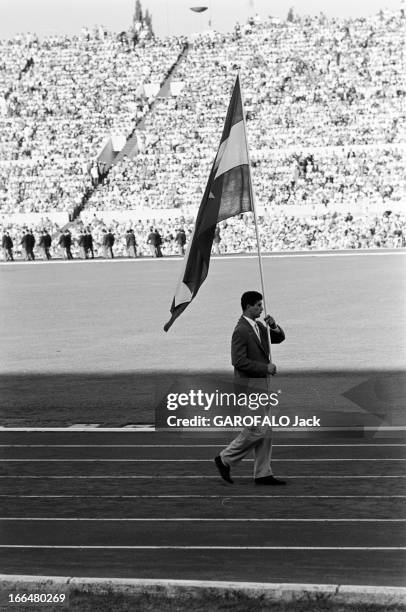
<point>84,343</point>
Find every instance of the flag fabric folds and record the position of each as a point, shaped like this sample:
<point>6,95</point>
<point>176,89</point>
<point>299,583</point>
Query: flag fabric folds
<point>228,193</point>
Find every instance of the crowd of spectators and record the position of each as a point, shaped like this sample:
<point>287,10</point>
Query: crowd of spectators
<point>163,238</point>
<point>326,124</point>
<point>329,90</point>
<point>44,185</point>
<point>311,82</point>
<point>337,177</point>
<point>60,102</point>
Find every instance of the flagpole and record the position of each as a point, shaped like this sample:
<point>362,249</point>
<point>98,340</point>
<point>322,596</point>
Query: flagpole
<point>261,272</point>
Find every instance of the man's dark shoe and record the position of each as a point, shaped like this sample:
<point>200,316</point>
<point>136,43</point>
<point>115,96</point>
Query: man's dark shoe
<point>270,481</point>
<point>223,469</point>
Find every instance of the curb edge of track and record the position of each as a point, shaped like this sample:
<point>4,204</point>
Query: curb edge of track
<point>200,589</point>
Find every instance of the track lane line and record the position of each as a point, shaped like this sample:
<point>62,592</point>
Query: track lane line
<point>81,428</point>
<point>204,519</point>
<point>179,547</point>
<point>186,445</point>
<point>193,496</point>
<point>199,476</point>
<point>96,460</point>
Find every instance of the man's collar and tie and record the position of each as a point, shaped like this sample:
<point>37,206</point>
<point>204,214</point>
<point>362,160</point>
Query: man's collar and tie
<point>254,326</point>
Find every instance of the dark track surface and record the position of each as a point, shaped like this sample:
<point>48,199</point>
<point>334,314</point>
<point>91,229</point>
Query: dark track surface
<point>177,519</point>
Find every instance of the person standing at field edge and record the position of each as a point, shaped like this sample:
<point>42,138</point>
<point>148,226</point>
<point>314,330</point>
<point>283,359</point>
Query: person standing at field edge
<point>158,243</point>
<point>216,241</point>
<point>44,243</point>
<point>82,244</point>
<point>108,243</point>
<point>68,244</point>
<point>28,244</point>
<point>180,240</point>
<point>7,244</point>
<point>131,243</point>
<point>252,367</point>
<point>89,244</point>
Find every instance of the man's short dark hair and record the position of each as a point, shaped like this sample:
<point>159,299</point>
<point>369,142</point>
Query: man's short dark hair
<point>249,298</point>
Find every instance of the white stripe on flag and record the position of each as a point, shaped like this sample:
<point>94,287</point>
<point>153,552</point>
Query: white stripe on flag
<point>235,150</point>
<point>183,294</point>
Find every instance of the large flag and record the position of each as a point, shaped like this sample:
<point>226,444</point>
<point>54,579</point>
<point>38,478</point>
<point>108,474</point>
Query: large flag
<point>228,193</point>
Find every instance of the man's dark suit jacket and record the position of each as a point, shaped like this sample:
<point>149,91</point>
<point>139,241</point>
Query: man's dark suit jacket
<point>249,355</point>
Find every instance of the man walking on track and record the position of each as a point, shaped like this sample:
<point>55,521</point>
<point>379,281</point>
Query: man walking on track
<point>252,367</point>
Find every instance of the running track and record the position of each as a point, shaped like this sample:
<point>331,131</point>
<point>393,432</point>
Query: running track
<point>150,505</point>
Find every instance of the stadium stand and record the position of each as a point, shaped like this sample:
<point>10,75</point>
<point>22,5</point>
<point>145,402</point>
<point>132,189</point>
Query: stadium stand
<point>326,124</point>
<point>57,113</point>
<point>344,106</point>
